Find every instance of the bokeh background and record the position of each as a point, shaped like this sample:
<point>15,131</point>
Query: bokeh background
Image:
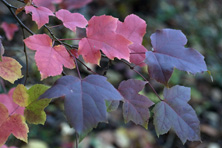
<point>199,20</point>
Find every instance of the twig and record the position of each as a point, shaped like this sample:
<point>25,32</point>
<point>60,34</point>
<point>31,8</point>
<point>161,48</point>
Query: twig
<point>131,67</point>
<point>77,139</point>
<point>3,86</point>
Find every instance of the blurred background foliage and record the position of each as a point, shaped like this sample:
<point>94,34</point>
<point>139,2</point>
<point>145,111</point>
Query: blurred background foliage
<point>199,20</point>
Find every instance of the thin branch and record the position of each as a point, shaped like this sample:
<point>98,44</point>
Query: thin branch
<point>68,39</point>
<point>131,67</point>
<point>26,58</point>
<point>3,86</point>
<point>77,67</point>
<point>77,139</point>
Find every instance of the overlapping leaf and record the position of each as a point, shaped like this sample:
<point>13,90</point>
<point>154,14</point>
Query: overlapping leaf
<point>174,112</point>
<point>10,69</point>
<point>169,53</point>
<point>84,99</point>
<point>71,20</point>
<point>40,15</point>
<point>74,4</point>
<point>135,106</point>
<point>49,59</point>
<point>20,96</point>
<point>101,35</point>
<point>13,124</point>
<point>134,28</point>
<point>47,3</point>
<point>9,29</point>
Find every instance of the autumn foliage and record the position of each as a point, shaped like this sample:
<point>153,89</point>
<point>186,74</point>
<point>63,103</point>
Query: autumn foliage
<point>87,100</point>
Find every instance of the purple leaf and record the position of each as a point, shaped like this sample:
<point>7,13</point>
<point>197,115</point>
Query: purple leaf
<point>169,53</point>
<point>84,99</point>
<point>135,107</point>
<point>174,112</point>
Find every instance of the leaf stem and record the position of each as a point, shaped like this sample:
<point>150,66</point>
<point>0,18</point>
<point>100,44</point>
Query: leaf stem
<point>132,68</point>
<point>3,86</point>
<point>137,53</point>
<point>77,139</point>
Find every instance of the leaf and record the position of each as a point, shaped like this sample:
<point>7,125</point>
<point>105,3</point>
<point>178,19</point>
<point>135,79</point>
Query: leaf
<point>40,15</point>
<point>71,20</point>
<point>20,96</point>
<point>49,59</point>
<point>101,36</point>
<point>5,146</point>
<point>135,106</point>
<point>112,105</point>
<point>13,124</point>
<point>84,99</point>
<point>74,4</point>
<point>34,112</point>
<point>169,53</point>
<point>174,112</point>
<point>10,69</point>
<point>9,29</point>
<point>134,28</point>
<point>7,100</point>
<point>47,3</point>
<point>2,49</point>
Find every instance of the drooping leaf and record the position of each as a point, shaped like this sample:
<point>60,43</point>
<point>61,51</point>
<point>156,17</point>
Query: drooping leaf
<point>9,29</point>
<point>40,15</point>
<point>49,59</point>
<point>174,112</point>
<point>135,106</point>
<point>7,100</point>
<point>13,124</point>
<point>134,28</point>
<point>20,96</point>
<point>84,99</point>
<point>47,3</point>
<point>34,112</point>
<point>71,20</point>
<point>74,4</point>
<point>10,69</point>
<point>2,50</point>
<point>101,35</point>
<point>169,53</point>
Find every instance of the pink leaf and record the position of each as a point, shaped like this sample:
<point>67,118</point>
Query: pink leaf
<point>74,4</point>
<point>134,28</point>
<point>71,20</point>
<point>7,100</point>
<point>47,3</point>
<point>101,36</point>
<point>9,29</point>
<point>40,15</point>
<point>49,59</point>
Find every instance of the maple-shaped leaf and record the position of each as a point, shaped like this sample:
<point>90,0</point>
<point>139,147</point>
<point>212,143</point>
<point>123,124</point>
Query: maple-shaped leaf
<point>174,112</point>
<point>20,96</point>
<point>134,28</point>
<point>101,35</point>
<point>7,100</point>
<point>135,106</point>
<point>12,124</point>
<point>34,111</point>
<point>10,69</point>
<point>2,49</point>
<point>74,4</point>
<point>9,29</point>
<point>40,15</point>
<point>169,53</point>
<point>71,20</point>
<point>47,3</point>
<point>84,99</point>
<point>49,59</point>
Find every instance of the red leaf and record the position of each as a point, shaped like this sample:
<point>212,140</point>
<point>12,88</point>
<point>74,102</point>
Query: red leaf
<point>174,112</point>
<point>71,20</point>
<point>84,99</point>
<point>74,4</point>
<point>135,106</point>
<point>134,28</point>
<point>101,36</point>
<point>47,3</point>
<point>9,29</point>
<point>7,100</point>
<point>40,15</point>
<point>49,59</point>
<point>13,124</point>
<point>169,53</point>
